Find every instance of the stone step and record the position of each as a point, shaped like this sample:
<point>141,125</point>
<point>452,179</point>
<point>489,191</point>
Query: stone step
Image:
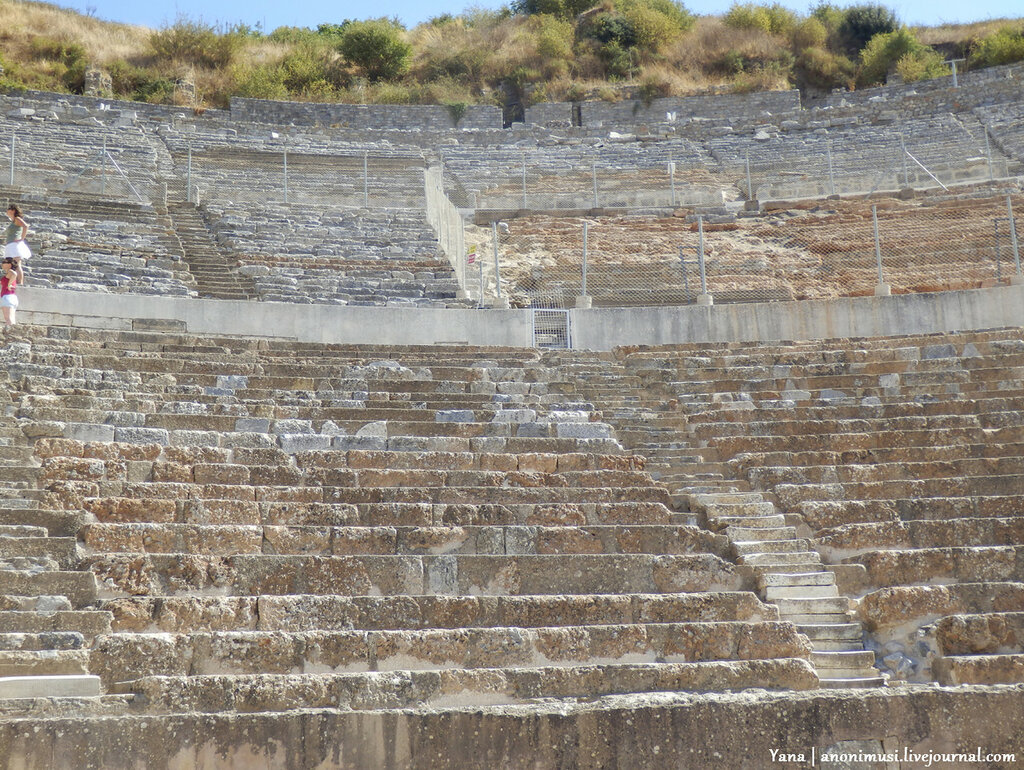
<point>812,619</point>
<point>812,606</point>
<point>784,579</point>
<point>448,574</point>
<point>36,603</point>
<point>21,530</point>
<point>952,670</point>
<point>771,547</point>
<point>117,657</point>
<point>823,661</point>
<point>55,523</point>
<point>459,687</point>
<point>43,662</point>
<point>750,534</point>
<point>78,587</point>
<point>61,550</point>
<point>58,686</point>
<point>773,521</point>
<point>89,623</point>
<point>308,612</point>
<point>853,682</point>
<point>51,640</point>
<point>774,593</point>
<point>784,562</point>
<point>837,645</point>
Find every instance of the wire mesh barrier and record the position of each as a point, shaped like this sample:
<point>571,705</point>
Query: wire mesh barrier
<point>817,251</point>
<point>358,179</point>
<point>768,164</point>
<point>104,166</point>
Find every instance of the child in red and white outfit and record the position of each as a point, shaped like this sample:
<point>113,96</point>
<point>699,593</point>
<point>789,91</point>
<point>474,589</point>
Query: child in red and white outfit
<point>10,276</point>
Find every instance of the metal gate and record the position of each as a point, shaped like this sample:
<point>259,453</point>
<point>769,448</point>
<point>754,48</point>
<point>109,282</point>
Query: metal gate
<point>552,329</point>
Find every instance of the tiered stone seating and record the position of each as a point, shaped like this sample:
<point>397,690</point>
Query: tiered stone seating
<point>560,173</point>
<point>795,163</point>
<point>1004,122</point>
<point>61,148</point>
<point>90,243</point>
<point>274,526</point>
<point>226,165</point>
<point>901,457</point>
<point>334,254</point>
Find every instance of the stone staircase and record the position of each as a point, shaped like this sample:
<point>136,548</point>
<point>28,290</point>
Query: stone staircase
<point>214,275</point>
<point>46,618</point>
<point>789,573</point>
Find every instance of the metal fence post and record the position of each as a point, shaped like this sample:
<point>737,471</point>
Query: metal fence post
<point>750,186</point>
<point>103,169</point>
<point>286,175</point>
<point>366,180</point>
<point>1013,237</point>
<point>988,154</point>
<point>831,175</point>
<point>704,299</point>
<point>188,177</point>
<point>672,178</point>
<point>586,238</point>
<point>524,184</point>
<point>903,157</point>
<point>14,138</point>
<point>882,289</point>
<point>594,173</point>
<point>584,301</point>
<point>497,266</point>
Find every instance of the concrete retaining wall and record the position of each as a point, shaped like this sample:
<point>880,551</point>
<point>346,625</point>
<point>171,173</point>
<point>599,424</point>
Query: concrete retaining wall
<point>807,319</point>
<point>600,329</point>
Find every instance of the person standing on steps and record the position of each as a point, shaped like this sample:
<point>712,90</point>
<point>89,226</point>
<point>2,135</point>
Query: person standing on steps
<point>15,247</point>
<point>10,277</point>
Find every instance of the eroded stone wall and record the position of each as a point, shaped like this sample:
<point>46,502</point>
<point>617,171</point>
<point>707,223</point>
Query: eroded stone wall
<point>670,731</point>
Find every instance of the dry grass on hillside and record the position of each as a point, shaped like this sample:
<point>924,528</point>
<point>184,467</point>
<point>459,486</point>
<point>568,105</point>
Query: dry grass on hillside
<point>104,41</point>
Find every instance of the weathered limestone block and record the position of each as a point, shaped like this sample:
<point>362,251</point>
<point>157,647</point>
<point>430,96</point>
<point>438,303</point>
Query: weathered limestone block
<point>122,575</point>
<point>126,510</point>
<point>990,633</point>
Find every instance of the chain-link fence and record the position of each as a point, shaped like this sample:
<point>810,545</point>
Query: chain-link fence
<point>845,248</point>
<point>360,179</point>
<point>621,223</point>
<point>768,164</point>
<point>105,165</point>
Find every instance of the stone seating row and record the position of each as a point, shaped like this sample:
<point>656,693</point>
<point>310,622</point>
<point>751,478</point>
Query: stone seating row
<point>901,490</point>
<point>485,495</point>
<point>90,243</point>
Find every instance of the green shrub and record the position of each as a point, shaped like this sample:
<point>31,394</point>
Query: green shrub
<point>293,35</point>
<point>676,13</point>
<point>773,19</point>
<point>377,48</point>
<point>263,81</point>
<point>69,60</point>
<point>921,65</point>
<point>883,52</point>
<point>566,9</point>
<point>861,23</point>
<point>653,29</point>
<point>1004,46</point>
<point>554,37</point>
<point>830,15</point>
<point>195,42</point>
<point>810,33</point>
<point>824,69</point>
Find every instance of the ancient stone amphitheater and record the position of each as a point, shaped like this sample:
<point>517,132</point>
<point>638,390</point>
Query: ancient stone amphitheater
<point>279,492</point>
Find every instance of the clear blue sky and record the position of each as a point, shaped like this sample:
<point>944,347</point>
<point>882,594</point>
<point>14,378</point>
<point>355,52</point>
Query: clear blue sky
<point>309,13</point>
